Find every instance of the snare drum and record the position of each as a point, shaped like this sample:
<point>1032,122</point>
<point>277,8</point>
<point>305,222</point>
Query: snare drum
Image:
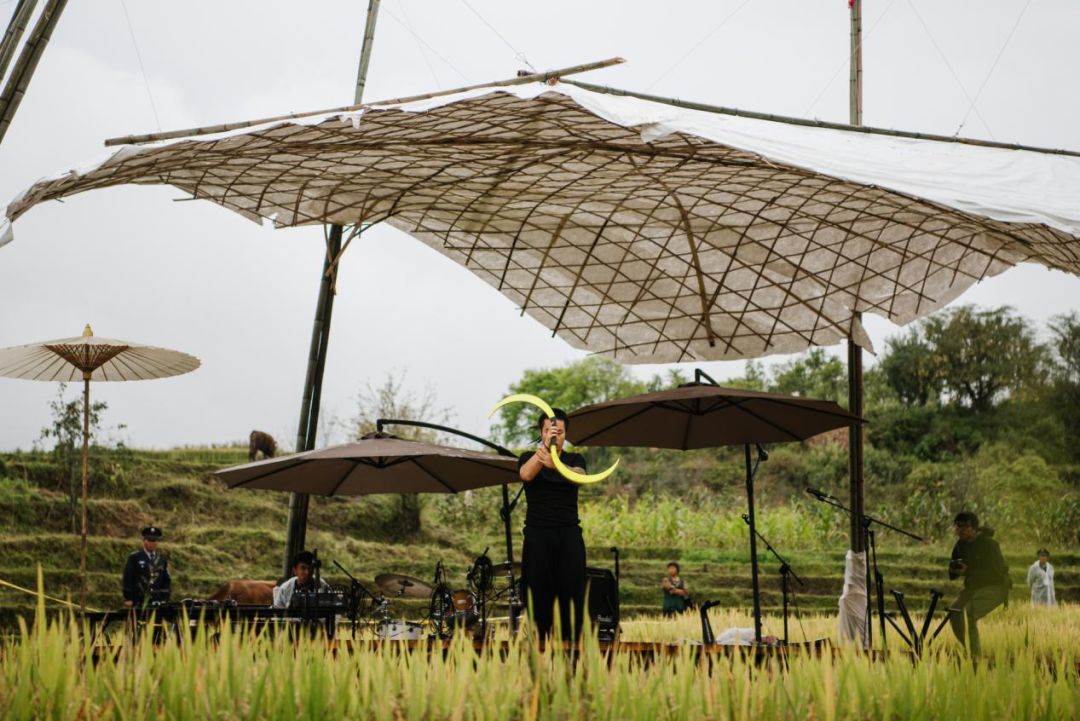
<point>400,631</point>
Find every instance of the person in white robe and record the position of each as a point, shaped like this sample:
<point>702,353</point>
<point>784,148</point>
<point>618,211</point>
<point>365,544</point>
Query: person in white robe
<point>1040,578</point>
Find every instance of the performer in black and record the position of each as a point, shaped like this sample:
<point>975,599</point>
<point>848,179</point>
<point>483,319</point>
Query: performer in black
<point>146,573</point>
<point>977,557</point>
<point>553,553</point>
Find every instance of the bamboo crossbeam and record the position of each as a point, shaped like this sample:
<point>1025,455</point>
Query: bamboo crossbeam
<point>790,120</point>
<point>224,127</point>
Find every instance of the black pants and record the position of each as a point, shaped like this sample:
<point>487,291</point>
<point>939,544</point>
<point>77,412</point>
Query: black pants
<point>553,570</point>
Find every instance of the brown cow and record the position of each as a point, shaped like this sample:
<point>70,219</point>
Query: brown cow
<point>246,593</point>
<point>259,441</point>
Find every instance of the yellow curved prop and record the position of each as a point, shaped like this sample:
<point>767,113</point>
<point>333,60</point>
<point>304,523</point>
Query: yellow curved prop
<point>564,470</point>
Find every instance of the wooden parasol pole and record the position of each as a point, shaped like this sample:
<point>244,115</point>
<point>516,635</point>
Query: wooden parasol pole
<point>85,494</point>
<point>27,63</point>
<point>296,532</point>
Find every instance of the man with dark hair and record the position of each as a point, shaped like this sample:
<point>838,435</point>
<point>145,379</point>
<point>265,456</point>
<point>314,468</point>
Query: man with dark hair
<point>146,573</point>
<point>553,552</point>
<point>977,557</point>
<point>302,580</point>
<point>1040,578</point>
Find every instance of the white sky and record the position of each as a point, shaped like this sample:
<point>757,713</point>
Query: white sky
<point>198,278</point>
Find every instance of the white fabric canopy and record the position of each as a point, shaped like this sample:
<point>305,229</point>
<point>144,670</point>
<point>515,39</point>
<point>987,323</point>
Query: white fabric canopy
<point>637,229</point>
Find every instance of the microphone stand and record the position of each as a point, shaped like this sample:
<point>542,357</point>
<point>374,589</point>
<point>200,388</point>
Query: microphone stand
<point>867,522</point>
<point>786,574</point>
<point>354,601</point>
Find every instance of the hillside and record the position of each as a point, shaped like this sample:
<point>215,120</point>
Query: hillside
<point>213,534</point>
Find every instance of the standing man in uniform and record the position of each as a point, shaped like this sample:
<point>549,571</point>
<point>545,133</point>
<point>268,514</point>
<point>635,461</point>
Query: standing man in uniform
<point>977,557</point>
<point>553,552</point>
<point>146,573</point>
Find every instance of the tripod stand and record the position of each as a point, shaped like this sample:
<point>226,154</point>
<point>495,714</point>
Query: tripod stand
<point>867,523</point>
<point>786,573</point>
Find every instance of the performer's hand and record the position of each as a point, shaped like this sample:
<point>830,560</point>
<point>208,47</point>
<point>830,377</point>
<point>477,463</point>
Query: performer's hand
<point>959,568</point>
<point>544,456</point>
<point>129,604</point>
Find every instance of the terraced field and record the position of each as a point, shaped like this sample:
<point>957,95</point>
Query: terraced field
<point>215,535</point>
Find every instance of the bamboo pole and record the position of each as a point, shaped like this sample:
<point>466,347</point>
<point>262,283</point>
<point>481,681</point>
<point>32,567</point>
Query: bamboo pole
<point>19,20</point>
<point>296,531</point>
<point>815,123</point>
<point>31,54</point>
<point>546,76</point>
<point>854,352</point>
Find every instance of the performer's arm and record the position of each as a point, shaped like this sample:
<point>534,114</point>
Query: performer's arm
<point>666,583</point>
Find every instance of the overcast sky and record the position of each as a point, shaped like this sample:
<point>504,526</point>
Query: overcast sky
<point>195,277</point>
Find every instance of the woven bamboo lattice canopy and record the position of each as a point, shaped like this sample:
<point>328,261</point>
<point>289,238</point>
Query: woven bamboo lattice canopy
<point>637,229</point>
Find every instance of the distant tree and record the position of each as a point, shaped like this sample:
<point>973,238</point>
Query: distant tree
<point>814,374</point>
<point>1065,340</point>
<point>66,432</point>
<point>985,355</point>
<point>911,369</point>
<point>392,400</point>
<point>572,386</point>
<point>1065,331</point>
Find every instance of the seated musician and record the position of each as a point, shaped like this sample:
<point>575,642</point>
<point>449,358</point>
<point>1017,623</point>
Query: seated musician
<point>302,580</point>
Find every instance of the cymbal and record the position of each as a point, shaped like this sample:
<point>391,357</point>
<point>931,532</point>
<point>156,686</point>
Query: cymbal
<point>500,569</point>
<point>395,585</point>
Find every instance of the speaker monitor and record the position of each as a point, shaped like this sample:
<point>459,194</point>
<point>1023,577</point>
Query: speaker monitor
<point>602,593</point>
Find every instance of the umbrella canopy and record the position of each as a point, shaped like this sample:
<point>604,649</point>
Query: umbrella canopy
<point>704,416</point>
<point>66,359</point>
<point>378,463</point>
<point>636,229</point>
<point>89,357</point>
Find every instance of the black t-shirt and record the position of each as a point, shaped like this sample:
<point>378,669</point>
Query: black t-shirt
<point>550,499</point>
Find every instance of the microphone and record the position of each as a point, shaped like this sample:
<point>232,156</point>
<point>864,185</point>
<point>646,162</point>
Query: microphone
<point>746,519</point>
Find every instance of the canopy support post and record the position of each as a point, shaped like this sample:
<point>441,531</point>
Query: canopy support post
<point>296,533</point>
<point>854,352</point>
<point>27,63</point>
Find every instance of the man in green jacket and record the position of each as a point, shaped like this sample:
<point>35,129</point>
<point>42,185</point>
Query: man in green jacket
<point>977,557</point>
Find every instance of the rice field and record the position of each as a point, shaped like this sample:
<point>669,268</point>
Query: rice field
<point>1029,670</point>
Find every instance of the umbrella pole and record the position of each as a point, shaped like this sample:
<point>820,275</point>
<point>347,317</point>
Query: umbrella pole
<point>753,544</point>
<point>85,453</point>
<point>512,596</point>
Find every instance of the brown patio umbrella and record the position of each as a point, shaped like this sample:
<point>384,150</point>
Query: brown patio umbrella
<point>699,415</point>
<point>378,463</point>
<point>88,358</point>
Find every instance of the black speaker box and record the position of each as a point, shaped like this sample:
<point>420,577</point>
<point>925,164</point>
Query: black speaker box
<point>602,594</point>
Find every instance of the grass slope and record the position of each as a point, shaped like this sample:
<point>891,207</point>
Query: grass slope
<point>214,535</point>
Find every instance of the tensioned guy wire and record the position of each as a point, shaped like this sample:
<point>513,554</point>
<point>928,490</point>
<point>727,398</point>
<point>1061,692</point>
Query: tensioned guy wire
<point>518,54</point>
<point>994,65</point>
<point>425,43</point>
<point>142,69</point>
<point>941,54</point>
<point>697,45</point>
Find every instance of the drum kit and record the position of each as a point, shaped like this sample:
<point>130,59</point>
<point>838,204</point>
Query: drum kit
<point>449,609</point>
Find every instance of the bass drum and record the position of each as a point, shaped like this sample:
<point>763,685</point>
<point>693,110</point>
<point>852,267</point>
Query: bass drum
<point>400,631</point>
<point>465,612</point>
